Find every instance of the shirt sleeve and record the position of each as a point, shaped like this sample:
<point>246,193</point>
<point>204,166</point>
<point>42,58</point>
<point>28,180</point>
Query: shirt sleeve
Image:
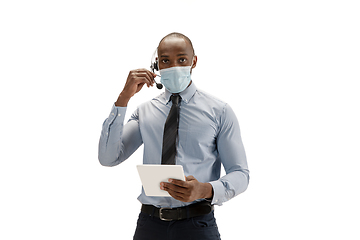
<point>118,142</point>
<point>232,155</point>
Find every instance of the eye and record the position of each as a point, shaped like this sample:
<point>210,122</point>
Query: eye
<point>165,60</point>
<point>182,60</point>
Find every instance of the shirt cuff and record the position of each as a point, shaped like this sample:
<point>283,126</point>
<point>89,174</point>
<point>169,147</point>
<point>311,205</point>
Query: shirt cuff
<point>218,193</point>
<point>116,112</point>
<point>115,119</point>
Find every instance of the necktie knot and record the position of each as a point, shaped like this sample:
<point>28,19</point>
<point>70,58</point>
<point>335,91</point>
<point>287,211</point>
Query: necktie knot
<point>175,99</point>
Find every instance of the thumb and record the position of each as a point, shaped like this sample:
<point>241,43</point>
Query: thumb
<point>189,178</point>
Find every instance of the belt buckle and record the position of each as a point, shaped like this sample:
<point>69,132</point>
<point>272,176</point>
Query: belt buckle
<point>161,214</point>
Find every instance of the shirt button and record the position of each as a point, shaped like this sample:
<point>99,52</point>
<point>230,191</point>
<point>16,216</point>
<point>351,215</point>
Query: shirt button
<point>112,114</point>
<point>119,114</point>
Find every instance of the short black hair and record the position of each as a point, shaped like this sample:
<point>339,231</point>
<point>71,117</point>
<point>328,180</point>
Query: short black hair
<point>178,35</point>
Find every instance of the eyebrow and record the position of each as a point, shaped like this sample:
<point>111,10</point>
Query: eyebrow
<point>180,54</point>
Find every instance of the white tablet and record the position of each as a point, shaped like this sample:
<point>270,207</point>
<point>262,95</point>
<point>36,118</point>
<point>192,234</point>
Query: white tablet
<point>152,175</point>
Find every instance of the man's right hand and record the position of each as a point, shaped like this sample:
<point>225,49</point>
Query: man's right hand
<point>134,83</point>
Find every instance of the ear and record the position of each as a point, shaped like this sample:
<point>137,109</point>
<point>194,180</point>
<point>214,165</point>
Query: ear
<point>194,62</point>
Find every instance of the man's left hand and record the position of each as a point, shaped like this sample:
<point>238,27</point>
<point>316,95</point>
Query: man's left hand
<point>187,191</point>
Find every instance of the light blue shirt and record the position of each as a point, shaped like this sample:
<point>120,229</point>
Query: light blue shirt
<point>209,135</point>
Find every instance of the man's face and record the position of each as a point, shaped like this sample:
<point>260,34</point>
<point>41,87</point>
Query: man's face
<point>175,52</point>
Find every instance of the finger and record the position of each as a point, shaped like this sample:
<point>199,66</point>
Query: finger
<point>140,73</point>
<point>174,188</point>
<point>178,182</point>
<point>149,74</point>
<point>150,79</point>
<point>143,78</point>
<point>176,195</point>
<point>143,75</point>
<point>179,196</point>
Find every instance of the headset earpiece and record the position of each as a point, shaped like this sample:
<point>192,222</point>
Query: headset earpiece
<point>154,62</point>
<point>156,67</point>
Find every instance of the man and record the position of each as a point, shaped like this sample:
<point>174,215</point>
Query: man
<point>207,135</point>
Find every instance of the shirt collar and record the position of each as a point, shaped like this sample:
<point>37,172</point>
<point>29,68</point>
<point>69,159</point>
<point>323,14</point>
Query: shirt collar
<point>186,95</point>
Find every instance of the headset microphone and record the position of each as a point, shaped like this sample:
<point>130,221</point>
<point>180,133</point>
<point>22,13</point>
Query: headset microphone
<point>154,66</point>
<point>158,85</point>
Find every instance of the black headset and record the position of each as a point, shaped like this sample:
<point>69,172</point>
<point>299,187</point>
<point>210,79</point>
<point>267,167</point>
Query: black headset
<point>155,66</point>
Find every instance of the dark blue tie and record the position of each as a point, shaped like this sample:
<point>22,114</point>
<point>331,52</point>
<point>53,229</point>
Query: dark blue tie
<point>171,132</point>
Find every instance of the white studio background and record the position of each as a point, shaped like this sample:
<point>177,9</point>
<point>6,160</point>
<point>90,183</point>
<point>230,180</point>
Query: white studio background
<point>289,69</point>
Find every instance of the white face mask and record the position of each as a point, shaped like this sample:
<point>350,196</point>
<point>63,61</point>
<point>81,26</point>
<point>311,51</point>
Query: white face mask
<point>176,79</point>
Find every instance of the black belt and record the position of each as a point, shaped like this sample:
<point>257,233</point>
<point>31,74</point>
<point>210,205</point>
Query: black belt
<point>170,214</point>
